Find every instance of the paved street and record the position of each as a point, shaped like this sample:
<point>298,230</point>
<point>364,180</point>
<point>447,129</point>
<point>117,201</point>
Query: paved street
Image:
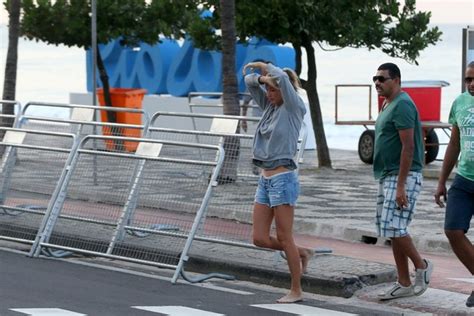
<point>55,287</point>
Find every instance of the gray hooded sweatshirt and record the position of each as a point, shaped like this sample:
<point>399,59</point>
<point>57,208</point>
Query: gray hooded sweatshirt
<point>276,137</point>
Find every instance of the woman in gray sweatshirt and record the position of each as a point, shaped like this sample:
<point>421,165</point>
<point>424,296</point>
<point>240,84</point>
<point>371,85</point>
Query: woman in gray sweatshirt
<point>274,149</point>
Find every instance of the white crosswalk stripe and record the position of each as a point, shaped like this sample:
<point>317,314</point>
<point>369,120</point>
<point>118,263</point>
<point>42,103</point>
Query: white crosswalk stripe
<point>302,310</point>
<point>296,309</point>
<point>177,310</point>
<point>46,312</point>
<point>468,280</point>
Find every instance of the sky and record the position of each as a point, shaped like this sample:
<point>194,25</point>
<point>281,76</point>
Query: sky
<point>448,11</point>
<point>443,11</point>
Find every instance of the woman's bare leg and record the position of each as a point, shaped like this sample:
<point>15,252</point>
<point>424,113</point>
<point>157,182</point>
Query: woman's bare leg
<point>305,255</point>
<point>284,227</point>
<point>262,219</point>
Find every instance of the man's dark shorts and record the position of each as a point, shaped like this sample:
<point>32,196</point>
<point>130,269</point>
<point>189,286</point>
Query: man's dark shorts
<point>460,206</point>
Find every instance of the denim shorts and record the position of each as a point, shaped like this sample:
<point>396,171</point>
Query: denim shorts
<point>390,221</point>
<point>460,205</point>
<point>281,188</point>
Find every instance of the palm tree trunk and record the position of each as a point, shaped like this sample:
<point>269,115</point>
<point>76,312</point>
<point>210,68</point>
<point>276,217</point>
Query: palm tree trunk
<point>229,78</point>
<point>9,84</point>
<point>229,88</point>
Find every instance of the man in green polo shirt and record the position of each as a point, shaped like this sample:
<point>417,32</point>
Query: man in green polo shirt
<point>398,161</point>
<point>460,206</point>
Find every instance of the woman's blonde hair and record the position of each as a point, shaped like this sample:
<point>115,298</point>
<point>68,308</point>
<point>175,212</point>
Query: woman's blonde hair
<point>295,81</point>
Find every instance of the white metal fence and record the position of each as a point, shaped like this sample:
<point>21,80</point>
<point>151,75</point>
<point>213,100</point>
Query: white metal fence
<point>87,185</point>
<point>149,193</point>
<point>28,183</point>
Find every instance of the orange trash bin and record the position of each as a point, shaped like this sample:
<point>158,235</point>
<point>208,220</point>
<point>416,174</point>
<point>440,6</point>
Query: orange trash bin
<point>125,98</point>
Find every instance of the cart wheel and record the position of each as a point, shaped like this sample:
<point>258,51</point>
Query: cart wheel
<point>431,146</point>
<point>366,146</point>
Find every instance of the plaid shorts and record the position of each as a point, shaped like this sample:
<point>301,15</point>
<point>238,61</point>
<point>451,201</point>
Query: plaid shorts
<point>391,221</point>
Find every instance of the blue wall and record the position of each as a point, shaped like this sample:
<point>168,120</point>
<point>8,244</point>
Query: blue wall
<point>168,68</point>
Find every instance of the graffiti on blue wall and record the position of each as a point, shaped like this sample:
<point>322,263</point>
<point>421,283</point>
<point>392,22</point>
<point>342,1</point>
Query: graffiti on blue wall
<point>171,68</point>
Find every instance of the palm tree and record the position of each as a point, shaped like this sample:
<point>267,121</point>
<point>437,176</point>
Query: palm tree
<point>229,88</point>
<point>229,78</point>
<point>9,84</point>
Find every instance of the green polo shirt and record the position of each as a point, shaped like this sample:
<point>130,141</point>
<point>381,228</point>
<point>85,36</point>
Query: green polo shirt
<point>399,114</point>
<point>462,115</point>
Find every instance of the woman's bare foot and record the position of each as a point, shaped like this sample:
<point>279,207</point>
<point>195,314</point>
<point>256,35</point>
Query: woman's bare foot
<point>290,298</point>
<point>308,254</point>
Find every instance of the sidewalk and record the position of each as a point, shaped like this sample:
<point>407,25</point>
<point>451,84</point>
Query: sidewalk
<point>355,271</point>
<point>340,203</point>
<point>335,210</point>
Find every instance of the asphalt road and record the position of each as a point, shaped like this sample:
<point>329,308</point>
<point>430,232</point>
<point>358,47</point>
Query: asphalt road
<point>64,288</point>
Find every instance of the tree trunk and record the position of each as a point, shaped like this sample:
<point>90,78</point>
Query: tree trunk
<point>298,58</point>
<point>104,78</point>
<point>111,116</point>
<point>324,159</point>
<point>9,84</point>
<point>229,88</point>
<point>229,78</point>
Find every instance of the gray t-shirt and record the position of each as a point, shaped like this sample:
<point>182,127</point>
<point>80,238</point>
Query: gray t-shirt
<point>277,132</point>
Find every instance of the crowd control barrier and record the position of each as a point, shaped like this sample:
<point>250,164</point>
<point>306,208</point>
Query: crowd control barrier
<point>214,130</point>
<point>9,111</point>
<point>229,213</point>
<point>31,161</point>
<point>200,103</point>
<point>80,120</point>
<point>199,122</point>
<point>146,192</point>
<point>85,120</point>
<point>40,169</point>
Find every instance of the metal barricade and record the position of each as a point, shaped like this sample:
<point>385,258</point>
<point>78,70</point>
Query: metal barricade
<point>202,103</point>
<point>86,120</point>
<point>31,168</point>
<point>229,215</point>
<point>208,130</point>
<point>205,97</point>
<point>148,193</point>
<point>215,130</point>
<point>82,120</point>
<point>9,117</point>
<point>247,125</point>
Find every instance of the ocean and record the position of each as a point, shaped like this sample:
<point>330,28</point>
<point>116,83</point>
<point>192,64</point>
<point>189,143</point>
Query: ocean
<point>48,73</point>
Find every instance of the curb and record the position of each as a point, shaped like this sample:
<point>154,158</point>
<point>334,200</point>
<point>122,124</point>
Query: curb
<point>327,274</point>
<point>343,286</point>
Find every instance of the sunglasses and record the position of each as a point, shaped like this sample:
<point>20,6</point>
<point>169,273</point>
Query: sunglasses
<point>380,79</point>
<point>468,80</point>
